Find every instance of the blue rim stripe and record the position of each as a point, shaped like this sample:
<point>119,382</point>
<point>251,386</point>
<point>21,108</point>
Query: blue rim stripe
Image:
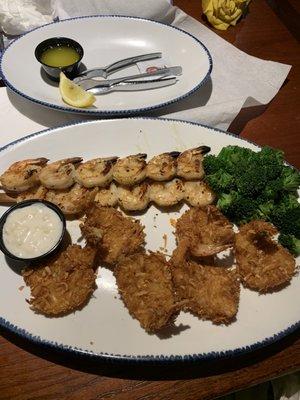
<point>109,112</point>
<point>147,359</point>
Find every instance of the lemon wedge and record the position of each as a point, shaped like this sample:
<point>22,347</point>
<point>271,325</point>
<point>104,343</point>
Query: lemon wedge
<point>73,94</point>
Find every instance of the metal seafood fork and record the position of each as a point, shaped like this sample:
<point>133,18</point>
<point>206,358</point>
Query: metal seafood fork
<point>104,72</point>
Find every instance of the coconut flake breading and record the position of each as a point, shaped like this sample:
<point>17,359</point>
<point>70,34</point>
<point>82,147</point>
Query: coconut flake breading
<point>112,233</point>
<point>205,231</point>
<point>209,292</point>
<point>263,264</point>
<point>145,285</point>
<point>64,283</point>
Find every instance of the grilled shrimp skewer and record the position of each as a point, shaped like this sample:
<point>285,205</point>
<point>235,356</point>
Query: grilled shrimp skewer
<point>74,200</point>
<point>162,167</point>
<point>167,193</point>
<point>96,172</point>
<point>59,174</point>
<point>130,170</point>
<point>22,175</point>
<point>100,172</point>
<point>189,163</point>
<point>134,198</point>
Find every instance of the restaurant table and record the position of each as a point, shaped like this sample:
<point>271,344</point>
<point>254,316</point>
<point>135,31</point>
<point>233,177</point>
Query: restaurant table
<point>28,371</point>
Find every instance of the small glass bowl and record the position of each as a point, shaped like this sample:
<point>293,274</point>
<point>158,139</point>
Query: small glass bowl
<point>50,252</point>
<point>53,72</point>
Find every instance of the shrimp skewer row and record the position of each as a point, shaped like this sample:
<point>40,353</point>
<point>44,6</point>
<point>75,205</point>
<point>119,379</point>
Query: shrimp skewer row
<point>77,199</point>
<point>100,172</point>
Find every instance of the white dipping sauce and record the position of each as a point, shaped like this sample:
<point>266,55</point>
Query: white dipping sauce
<point>31,231</point>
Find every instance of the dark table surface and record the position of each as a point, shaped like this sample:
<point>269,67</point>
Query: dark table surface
<point>27,371</point>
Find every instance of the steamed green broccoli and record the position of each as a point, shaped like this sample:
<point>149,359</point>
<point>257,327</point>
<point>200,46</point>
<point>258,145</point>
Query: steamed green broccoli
<point>237,208</point>
<point>256,185</point>
<point>290,242</point>
<point>290,179</point>
<point>286,215</point>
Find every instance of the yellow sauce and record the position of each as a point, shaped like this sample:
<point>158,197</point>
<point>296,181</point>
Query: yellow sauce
<point>61,56</point>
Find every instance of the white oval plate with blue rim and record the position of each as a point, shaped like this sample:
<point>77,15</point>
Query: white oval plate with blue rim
<point>106,39</point>
<point>104,328</point>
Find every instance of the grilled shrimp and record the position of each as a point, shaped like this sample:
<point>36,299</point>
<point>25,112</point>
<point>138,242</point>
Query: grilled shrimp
<point>73,200</point>
<point>198,194</point>
<point>162,167</point>
<point>97,172</point>
<point>59,174</point>
<point>22,175</point>
<point>167,193</point>
<point>134,198</point>
<point>107,197</point>
<point>130,170</point>
<point>189,163</point>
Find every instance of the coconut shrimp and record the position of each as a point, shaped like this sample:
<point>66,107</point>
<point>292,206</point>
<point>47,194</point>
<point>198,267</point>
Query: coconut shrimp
<point>107,197</point>
<point>263,264</point>
<point>205,231</point>
<point>162,167</point>
<point>134,198</point>
<point>130,170</point>
<point>96,172</point>
<point>189,163</point>
<point>167,193</point>
<point>73,200</point>
<point>22,175</point>
<point>59,174</point>
<point>198,194</point>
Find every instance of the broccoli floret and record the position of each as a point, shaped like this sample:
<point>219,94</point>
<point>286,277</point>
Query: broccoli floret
<point>220,182</point>
<point>212,164</point>
<point>290,179</point>
<point>291,243</point>
<point>272,190</point>
<point>286,215</point>
<point>265,209</point>
<point>252,181</point>
<point>234,158</point>
<point>271,161</point>
<point>237,208</point>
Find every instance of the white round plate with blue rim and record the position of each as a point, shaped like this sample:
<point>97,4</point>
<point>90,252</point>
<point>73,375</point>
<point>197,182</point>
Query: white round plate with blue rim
<point>106,39</point>
<point>104,328</point>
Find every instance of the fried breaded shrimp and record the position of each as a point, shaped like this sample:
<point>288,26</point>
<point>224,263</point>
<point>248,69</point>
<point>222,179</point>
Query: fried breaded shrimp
<point>22,175</point>
<point>198,194</point>
<point>74,200</point>
<point>209,292</point>
<point>112,233</point>
<point>145,285</point>
<point>263,264</point>
<point>205,231</point>
<point>189,163</point>
<point>107,197</point>
<point>59,174</point>
<point>96,172</point>
<point>166,194</point>
<point>162,167</point>
<point>63,284</point>
<point>134,198</point>
<point>130,170</point>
